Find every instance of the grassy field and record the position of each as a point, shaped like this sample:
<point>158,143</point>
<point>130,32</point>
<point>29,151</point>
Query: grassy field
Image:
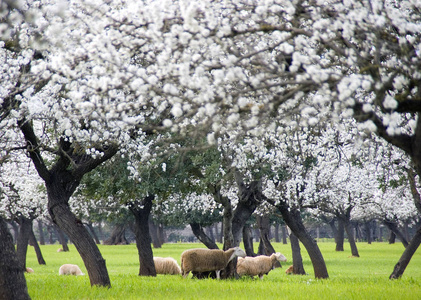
<point>350,278</point>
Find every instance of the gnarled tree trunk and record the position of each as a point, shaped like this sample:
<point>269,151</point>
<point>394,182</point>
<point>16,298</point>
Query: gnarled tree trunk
<point>25,229</point>
<point>394,228</point>
<point>141,211</point>
<point>292,218</point>
<point>12,279</point>
<point>202,236</point>
<point>33,242</point>
<point>248,241</point>
<point>297,260</point>
<point>117,236</point>
<point>407,255</point>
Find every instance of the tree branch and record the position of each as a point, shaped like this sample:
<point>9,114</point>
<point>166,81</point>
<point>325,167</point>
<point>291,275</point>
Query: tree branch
<point>33,149</point>
<point>402,141</point>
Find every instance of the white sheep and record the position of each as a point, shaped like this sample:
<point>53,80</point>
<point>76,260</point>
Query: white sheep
<point>205,260</point>
<point>166,265</point>
<point>68,269</point>
<point>258,265</point>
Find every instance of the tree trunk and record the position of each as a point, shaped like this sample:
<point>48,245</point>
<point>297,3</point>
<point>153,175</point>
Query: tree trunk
<point>153,231</point>
<point>368,232</point>
<point>94,235</point>
<point>50,235</point>
<point>141,211</point>
<point>41,233</point>
<point>340,235</point>
<point>292,218</point>
<point>227,217</point>
<point>15,231</point>
<point>407,255</point>
<point>85,245</point>
<point>34,243</point>
<point>392,237</point>
<point>250,196</point>
<point>284,235</point>
<point>297,260</point>
<point>394,228</point>
<point>202,236</point>
<point>62,239</point>
<point>351,238</point>
<point>277,237</point>
<point>117,236</point>
<point>161,234</point>
<point>25,229</point>
<point>264,227</point>
<point>248,241</point>
<point>12,279</point>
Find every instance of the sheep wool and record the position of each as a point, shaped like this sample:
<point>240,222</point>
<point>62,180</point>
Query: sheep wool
<point>258,265</point>
<point>205,260</point>
<point>68,269</point>
<point>166,265</point>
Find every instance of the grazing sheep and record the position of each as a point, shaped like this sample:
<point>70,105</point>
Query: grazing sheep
<point>203,260</point>
<point>29,270</point>
<point>258,265</point>
<point>68,269</point>
<point>166,265</point>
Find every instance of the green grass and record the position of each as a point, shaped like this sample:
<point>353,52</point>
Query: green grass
<point>350,278</point>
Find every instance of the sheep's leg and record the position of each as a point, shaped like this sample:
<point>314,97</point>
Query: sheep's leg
<point>218,274</point>
<point>185,274</point>
<point>261,276</point>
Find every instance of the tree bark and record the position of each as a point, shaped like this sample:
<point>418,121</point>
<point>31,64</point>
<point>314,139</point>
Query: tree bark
<point>248,241</point>
<point>41,233</point>
<point>277,237</point>
<point>367,226</point>
<point>141,211</point>
<point>297,260</point>
<point>250,196</point>
<point>394,228</point>
<point>340,235</point>
<point>34,243</point>
<point>292,218</point>
<point>266,248</point>
<point>12,279</point>
<point>62,239</point>
<point>392,237</point>
<point>403,262</point>
<point>94,235</point>
<point>284,235</point>
<point>153,231</point>
<point>351,238</point>
<point>227,220</point>
<point>88,250</point>
<point>202,236</point>
<point>117,236</point>
<point>25,229</point>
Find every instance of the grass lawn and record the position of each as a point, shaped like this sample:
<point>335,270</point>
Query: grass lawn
<point>350,278</point>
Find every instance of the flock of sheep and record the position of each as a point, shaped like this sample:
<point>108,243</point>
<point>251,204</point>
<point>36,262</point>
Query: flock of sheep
<point>206,260</point>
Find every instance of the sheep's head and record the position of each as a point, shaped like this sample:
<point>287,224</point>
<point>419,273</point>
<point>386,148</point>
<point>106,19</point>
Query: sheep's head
<point>279,256</point>
<point>238,252</point>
